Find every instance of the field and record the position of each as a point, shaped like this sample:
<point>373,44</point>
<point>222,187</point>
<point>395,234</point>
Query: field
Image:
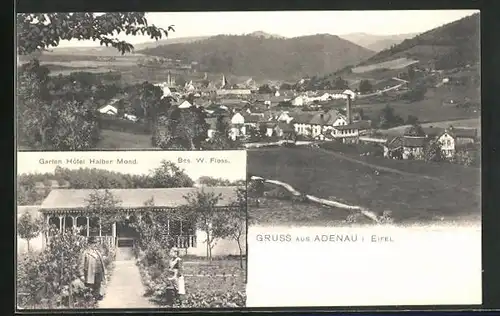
<point>274,212</point>
<point>123,140</point>
<point>431,108</point>
<point>411,198</point>
<point>393,64</point>
<point>467,123</point>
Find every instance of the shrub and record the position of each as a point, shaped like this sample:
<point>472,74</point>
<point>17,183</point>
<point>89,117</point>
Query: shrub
<point>50,279</point>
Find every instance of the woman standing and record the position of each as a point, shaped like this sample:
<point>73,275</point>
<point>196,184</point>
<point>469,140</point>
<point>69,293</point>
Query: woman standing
<point>175,266</point>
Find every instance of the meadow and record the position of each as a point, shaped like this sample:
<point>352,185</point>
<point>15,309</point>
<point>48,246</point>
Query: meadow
<point>410,197</point>
<point>111,139</point>
<point>399,63</point>
<point>465,123</point>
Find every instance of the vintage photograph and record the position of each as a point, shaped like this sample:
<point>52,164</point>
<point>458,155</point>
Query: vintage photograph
<point>131,230</point>
<point>374,187</point>
<point>391,137</point>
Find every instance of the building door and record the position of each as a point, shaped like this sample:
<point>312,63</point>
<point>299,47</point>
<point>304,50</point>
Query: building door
<point>126,236</point>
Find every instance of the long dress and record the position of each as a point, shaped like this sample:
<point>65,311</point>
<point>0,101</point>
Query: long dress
<point>176,267</point>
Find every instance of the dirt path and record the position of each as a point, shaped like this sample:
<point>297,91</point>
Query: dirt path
<point>314,199</point>
<point>125,289</point>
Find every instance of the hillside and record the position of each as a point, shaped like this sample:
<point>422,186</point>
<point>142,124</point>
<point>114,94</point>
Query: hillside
<point>449,46</point>
<point>110,51</point>
<point>266,56</point>
<point>376,43</point>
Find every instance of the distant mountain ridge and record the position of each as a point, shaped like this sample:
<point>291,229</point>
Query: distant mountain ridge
<point>376,42</point>
<point>260,54</point>
<point>451,45</point>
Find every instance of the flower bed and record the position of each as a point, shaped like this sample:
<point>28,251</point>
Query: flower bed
<point>215,284</point>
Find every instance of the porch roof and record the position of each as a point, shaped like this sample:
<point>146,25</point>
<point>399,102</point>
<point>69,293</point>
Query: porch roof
<point>133,198</point>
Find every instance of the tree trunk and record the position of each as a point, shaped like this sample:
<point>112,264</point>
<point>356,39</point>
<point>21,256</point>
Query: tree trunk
<point>28,244</point>
<point>241,252</point>
<point>208,247</point>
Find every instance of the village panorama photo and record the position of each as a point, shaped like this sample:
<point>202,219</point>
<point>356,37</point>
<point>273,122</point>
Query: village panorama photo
<point>131,230</point>
<point>375,183</point>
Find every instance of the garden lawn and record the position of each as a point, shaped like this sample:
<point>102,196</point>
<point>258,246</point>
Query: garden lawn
<point>319,173</point>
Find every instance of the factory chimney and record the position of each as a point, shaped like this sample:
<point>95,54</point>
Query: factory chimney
<point>348,109</point>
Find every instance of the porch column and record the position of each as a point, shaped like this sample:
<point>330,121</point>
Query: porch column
<point>61,227</point>
<point>168,227</point>
<point>88,226</point>
<point>100,234</point>
<point>180,224</point>
<point>113,232</point>
<point>74,218</point>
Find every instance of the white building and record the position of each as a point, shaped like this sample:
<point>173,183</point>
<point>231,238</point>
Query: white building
<point>238,128</point>
<point>67,209</point>
<point>109,109</point>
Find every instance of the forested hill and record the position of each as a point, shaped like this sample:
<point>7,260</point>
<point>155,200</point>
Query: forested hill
<point>266,57</point>
<point>452,45</point>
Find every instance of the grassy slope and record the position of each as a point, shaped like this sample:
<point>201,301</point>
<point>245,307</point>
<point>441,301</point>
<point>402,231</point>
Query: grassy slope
<point>461,35</point>
<point>409,198</point>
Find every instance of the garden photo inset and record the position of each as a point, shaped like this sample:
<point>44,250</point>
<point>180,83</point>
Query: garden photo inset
<point>131,230</point>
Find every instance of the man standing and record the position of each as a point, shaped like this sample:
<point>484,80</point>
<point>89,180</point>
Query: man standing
<point>92,270</point>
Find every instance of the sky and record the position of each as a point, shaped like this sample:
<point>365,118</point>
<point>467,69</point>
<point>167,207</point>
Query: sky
<point>294,23</point>
<point>234,169</point>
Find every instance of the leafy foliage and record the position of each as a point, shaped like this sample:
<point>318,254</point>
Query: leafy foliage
<point>202,205</point>
<point>28,227</point>
<point>50,279</point>
<point>41,31</point>
<point>433,151</point>
<point>165,176</point>
<point>365,86</point>
<point>388,118</point>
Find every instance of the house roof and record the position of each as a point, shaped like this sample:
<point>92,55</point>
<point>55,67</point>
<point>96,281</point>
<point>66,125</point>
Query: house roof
<point>463,132</point>
<point>301,118</point>
<point>395,142</point>
<point>414,141</point>
<point>133,198</point>
<point>364,124</point>
<point>185,105</point>
<point>253,118</point>
<point>323,118</point>
<point>433,131</point>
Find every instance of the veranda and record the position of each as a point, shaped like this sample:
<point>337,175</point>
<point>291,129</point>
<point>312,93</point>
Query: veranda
<point>67,209</point>
<point>119,233</point>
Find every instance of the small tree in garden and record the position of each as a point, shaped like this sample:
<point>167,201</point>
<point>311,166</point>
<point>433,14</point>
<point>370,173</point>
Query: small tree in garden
<point>433,152</point>
<point>50,276</point>
<point>233,223</point>
<point>29,227</point>
<point>202,205</point>
<point>103,204</point>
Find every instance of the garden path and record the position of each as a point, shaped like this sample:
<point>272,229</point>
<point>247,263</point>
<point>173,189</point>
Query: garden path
<point>125,288</point>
